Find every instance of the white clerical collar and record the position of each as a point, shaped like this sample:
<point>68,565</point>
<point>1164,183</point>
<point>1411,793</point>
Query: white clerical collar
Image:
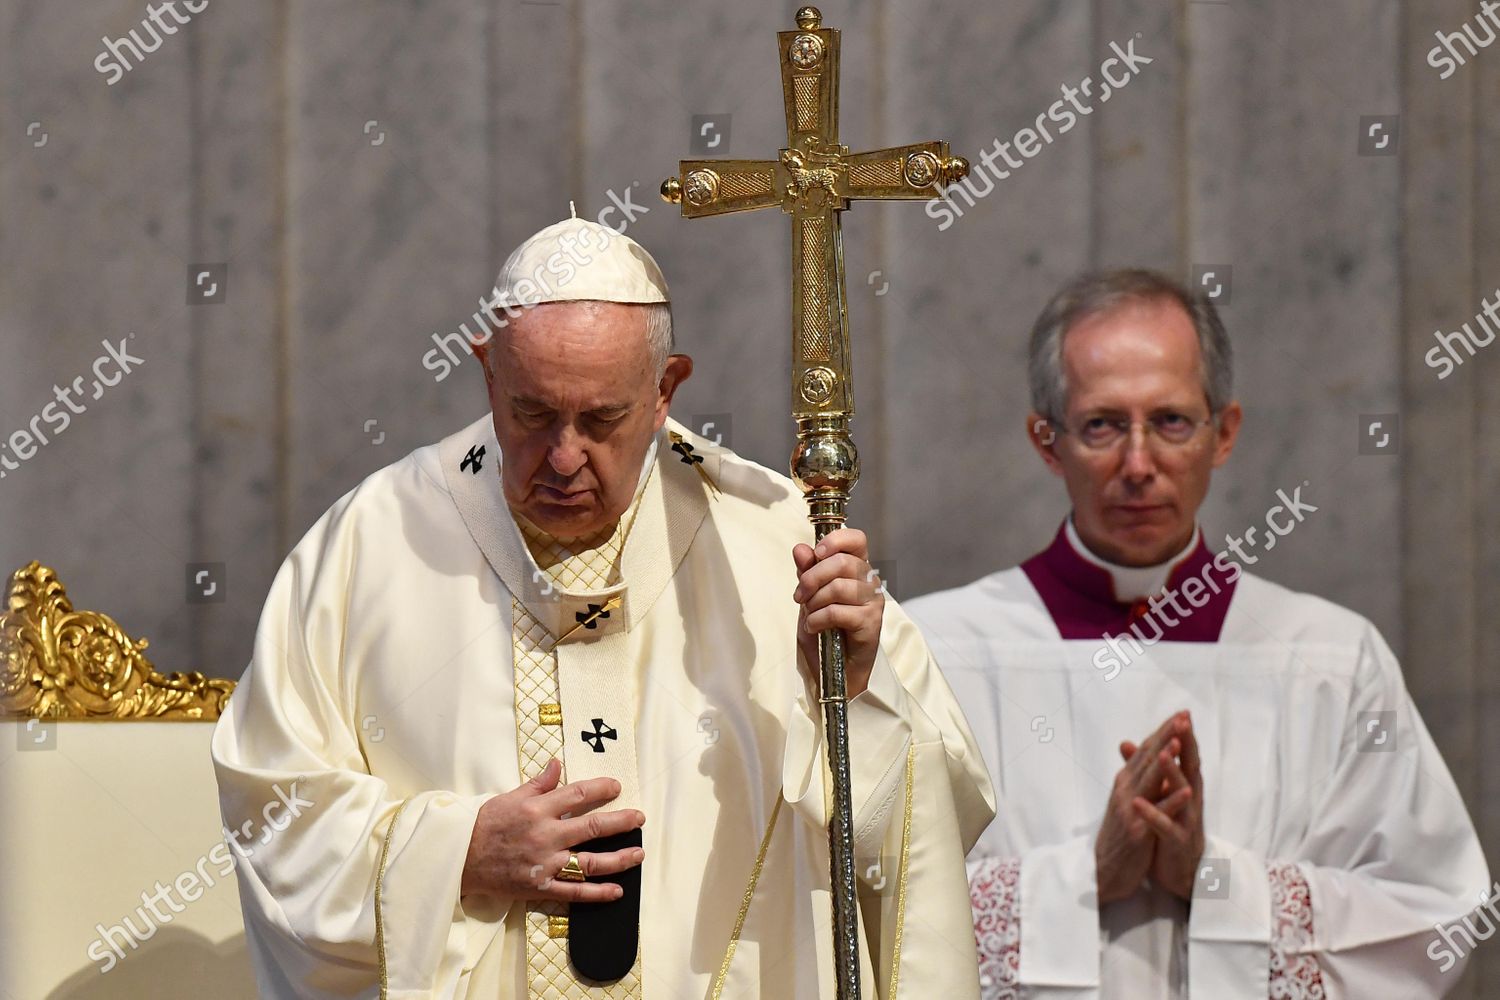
<point>1132,582</point>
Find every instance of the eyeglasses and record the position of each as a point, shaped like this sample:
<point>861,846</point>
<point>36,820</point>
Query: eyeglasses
<point>1099,433</point>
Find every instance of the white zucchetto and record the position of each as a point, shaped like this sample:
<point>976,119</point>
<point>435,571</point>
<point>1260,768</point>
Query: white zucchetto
<point>577,259</point>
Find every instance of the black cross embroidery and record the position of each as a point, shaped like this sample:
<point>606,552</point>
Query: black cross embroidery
<point>590,618</point>
<point>474,458</point>
<point>599,735</point>
<point>686,451</point>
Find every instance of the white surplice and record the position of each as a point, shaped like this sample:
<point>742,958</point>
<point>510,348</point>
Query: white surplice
<point>382,680</point>
<point>1336,838</point>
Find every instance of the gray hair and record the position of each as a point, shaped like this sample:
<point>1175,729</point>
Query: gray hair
<point>1100,292</point>
<point>659,336</point>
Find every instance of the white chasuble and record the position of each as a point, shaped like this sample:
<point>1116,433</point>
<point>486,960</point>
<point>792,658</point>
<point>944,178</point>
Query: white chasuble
<point>1339,852</point>
<point>415,659</point>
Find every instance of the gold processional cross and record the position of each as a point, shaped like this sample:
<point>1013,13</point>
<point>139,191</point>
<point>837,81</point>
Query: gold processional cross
<point>813,180</point>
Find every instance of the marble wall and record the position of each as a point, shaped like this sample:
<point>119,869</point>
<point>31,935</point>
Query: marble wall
<point>350,173</point>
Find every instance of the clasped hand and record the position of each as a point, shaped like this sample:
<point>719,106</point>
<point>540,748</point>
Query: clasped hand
<point>1153,823</point>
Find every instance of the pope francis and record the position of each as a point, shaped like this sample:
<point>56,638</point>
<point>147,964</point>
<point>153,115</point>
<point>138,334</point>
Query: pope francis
<point>542,695</point>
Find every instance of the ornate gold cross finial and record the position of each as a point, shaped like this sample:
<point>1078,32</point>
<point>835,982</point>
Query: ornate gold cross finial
<point>813,180</point>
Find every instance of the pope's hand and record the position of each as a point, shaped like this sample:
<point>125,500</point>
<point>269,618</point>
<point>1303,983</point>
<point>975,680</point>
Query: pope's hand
<point>522,839</point>
<point>837,589</point>
<point>1124,850</point>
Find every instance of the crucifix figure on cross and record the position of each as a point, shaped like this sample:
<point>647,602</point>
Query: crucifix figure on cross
<point>813,180</point>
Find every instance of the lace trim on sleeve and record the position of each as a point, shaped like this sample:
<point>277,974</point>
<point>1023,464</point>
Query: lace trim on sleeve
<point>995,894</point>
<point>1294,973</point>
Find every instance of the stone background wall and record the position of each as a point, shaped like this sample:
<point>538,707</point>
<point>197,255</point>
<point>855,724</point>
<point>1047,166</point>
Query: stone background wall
<point>361,167</point>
